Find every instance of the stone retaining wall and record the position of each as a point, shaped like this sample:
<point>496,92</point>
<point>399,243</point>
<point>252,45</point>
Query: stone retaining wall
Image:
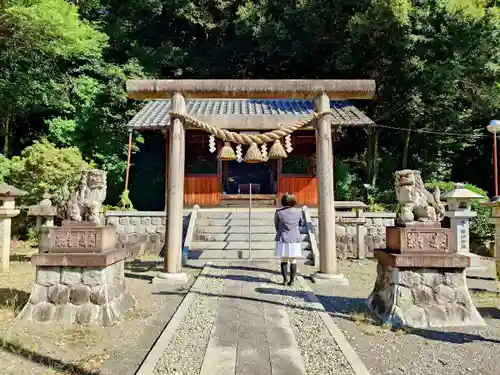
<point>132,226</point>
<point>150,225</point>
<point>373,232</point>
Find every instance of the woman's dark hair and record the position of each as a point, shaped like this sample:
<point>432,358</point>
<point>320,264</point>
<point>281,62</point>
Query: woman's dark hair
<point>288,200</point>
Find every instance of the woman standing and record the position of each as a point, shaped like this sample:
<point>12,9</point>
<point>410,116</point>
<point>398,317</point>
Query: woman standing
<point>288,221</point>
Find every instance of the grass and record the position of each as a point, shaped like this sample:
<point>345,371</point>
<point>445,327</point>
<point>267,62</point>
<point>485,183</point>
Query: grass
<point>45,349</point>
<point>12,300</point>
<point>486,298</point>
<point>365,322</point>
<point>88,365</point>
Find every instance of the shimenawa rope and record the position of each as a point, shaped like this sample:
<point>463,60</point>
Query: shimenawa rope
<point>246,139</point>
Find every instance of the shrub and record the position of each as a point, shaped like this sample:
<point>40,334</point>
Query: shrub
<point>42,167</point>
<point>374,205</point>
<point>481,230</point>
<point>343,181</point>
<point>4,167</point>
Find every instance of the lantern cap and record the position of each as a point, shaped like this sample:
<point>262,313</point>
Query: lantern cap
<point>7,190</point>
<point>461,193</point>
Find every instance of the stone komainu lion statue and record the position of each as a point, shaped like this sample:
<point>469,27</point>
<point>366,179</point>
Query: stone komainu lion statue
<point>86,202</point>
<point>417,203</point>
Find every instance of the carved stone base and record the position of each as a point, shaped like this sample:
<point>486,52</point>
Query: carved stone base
<point>421,297</point>
<point>76,295</point>
<point>418,239</point>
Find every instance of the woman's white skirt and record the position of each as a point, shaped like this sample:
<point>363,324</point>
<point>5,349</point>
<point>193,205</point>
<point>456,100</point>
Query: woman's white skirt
<point>288,250</point>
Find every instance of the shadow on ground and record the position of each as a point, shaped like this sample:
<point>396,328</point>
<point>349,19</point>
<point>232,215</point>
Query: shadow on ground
<point>245,268</point>
<point>138,265</point>
<point>252,279</point>
<point>43,360</point>
<point>353,309</point>
<point>489,312</point>
<point>139,277</point>
<point>13,299</point>
<point>20,257</point>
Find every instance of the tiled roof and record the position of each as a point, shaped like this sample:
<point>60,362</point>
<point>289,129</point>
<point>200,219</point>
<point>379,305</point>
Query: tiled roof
<point>154,115</point>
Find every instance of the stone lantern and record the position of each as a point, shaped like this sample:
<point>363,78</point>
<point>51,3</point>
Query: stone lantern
<point>459,201</point>
<point>8,210</point>
<point>44,212</point>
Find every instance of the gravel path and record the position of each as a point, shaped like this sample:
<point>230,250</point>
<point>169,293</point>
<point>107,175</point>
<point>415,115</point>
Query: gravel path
<point>451,351</point>
<point>185,352</point>
<point>243,322</point>
<point>320,352</point>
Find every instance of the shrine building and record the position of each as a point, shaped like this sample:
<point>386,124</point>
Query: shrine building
<point>212,181</point>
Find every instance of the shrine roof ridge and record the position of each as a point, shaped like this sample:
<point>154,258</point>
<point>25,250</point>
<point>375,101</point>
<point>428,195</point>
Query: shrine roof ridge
<point>245,113</point>
<point>338,89</point>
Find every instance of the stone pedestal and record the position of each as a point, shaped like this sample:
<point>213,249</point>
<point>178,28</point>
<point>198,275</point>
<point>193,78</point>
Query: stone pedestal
<point>426,290</point>
<point>79,277</point>
<point>78,295</point>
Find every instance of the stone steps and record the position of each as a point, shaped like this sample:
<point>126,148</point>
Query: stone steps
<point>233,222</point>
<point>224,245</point>
<point>239,229</point>
<point>245,202</point>
<point>240,254</point>
<point>231,237</point>
<point>267,215</point>
<point>224,235</point>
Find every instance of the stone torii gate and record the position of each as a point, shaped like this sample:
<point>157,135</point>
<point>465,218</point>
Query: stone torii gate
<point>322,91</point>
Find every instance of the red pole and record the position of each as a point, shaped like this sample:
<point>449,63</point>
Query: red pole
<point>128,159</point>
<point>495,166</point>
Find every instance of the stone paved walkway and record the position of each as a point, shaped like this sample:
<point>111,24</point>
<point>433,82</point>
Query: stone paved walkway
<point>241,321</point>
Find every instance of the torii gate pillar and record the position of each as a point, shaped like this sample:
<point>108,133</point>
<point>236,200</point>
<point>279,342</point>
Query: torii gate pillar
<point>323,90</point>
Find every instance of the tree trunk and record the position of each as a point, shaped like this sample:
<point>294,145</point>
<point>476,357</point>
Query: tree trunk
<point>372,155</point>
<point>369,157</point>
<point>406,150</point>
<point>375,158</point>
<point>5,134</point>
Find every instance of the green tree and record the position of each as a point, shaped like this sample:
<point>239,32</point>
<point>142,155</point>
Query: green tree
<point>95,117</point>
<point>43,167</point>
<point>435,64</point>
<point>4,167</point>
<point>52,73</point>
<point>480,230</point>
<point>38,39</point>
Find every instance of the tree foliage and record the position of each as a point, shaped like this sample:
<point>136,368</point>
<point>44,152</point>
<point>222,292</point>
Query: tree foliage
<point>4,167</point>
<point>55,83</point>
<point>480,228</point>
<point>436,63</point>
<point>43,168</point>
